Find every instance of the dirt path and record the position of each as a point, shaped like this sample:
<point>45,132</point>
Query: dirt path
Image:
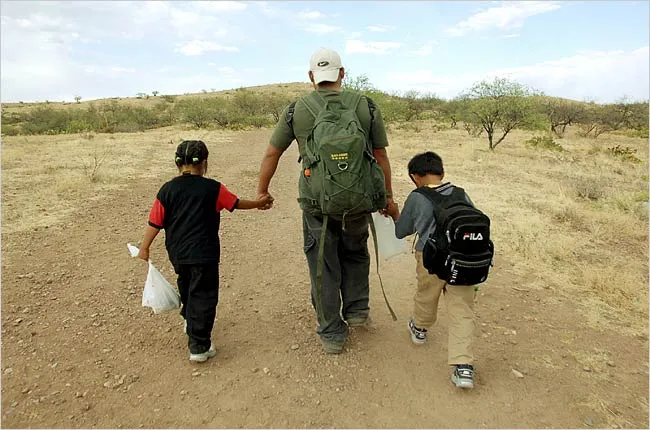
<point>78,350</point>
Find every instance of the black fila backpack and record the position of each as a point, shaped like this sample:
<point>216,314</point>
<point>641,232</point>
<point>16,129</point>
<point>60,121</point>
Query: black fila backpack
<point>459,251</point>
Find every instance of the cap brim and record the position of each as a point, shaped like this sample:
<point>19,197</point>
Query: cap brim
<point>326,75</point>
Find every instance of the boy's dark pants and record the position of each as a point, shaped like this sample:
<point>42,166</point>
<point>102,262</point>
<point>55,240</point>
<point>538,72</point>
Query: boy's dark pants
<point>198,285</point>
<point>346,267</point>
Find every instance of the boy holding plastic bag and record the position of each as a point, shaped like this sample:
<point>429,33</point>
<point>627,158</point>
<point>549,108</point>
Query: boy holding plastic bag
<point>188,208</point>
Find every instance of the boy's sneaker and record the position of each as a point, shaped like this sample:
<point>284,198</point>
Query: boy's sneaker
<point>463,376</point>
<point>418,335</point>
<point>200,358</point>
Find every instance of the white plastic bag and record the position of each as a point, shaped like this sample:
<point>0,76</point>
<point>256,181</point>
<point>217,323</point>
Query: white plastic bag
<point>388,244</point>
<point>158,294</point>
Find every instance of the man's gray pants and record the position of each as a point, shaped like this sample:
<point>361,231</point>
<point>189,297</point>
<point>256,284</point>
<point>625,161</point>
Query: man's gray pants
<point>346,268</point>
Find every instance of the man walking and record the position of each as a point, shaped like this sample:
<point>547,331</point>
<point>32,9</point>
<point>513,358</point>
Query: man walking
<point>336,248</point>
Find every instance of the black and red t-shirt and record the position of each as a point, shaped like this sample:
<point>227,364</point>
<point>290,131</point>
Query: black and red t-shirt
<point>188,208</point>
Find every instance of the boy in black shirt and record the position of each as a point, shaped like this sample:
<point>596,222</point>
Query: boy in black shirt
<point>188,208</point>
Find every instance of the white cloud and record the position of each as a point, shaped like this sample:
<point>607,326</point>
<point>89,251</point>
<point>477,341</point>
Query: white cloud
<point>310,14</point>
<point>425,50</point>
<point>380,28</point>
<point>578,77</point>
<point>507,15</point>
<point>200,47</point>
<point>361,47</point>
<point>221,6</point>
<point>321,28</point>
<point>122,70</point>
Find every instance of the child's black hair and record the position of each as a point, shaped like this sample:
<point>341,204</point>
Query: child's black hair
<point>426,163</point>
<point>191,152</point>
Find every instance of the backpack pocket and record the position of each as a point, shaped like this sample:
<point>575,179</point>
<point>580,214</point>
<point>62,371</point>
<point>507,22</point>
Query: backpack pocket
<point>469,269</point>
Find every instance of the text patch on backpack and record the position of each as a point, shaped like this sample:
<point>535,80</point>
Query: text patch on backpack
<point>460,250</point>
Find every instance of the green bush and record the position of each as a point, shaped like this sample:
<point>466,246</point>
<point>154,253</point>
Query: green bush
<point>544,142</point>
<point>10,130</point>
<point>625,153</point>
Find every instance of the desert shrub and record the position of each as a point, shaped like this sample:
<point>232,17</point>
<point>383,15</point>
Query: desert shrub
<point>544,142</point>
<point>624,153</point>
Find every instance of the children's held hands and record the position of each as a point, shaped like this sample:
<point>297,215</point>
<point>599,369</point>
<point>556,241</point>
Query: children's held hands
<point>143,254</point>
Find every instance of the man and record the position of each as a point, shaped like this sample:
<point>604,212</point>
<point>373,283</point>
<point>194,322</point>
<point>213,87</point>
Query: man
<point>346,261</point>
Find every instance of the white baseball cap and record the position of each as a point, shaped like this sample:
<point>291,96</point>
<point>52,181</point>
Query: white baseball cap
<point>325,65</point>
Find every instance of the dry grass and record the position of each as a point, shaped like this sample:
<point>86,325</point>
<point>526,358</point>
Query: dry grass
<point>45,178</point>
<point>574,222</point>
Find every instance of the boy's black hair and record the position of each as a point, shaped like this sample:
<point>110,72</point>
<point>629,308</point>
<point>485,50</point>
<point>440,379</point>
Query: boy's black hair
<point>426,163</point>
<point>191,152</point>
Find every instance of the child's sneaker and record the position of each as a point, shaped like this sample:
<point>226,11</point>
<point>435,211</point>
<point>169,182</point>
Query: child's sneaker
<point>463,376</point>
<point>418,335</point>
<point>200,358</point>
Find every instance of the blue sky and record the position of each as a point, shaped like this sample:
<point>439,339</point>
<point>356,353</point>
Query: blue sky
<point>54,50</point>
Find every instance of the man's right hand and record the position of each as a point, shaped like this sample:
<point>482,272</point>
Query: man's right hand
<point>267,199</point>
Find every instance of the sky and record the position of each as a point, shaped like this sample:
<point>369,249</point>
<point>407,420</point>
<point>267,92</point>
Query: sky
<point>583,50</point>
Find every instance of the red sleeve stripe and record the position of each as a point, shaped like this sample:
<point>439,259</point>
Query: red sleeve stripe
<point>226,200</point>
<point>157,215</point>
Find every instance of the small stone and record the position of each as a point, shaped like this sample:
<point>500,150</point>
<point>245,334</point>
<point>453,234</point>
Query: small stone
<point>295,346</point>
<point>78,394</point>
<point>18,320</point>
<point>589,422</point>
<point>587,369</point>
<point>517,373</point>
<point>611,364</point>
<point>26,390</point>
<point>255,369</point>
<point>183,392</point>
<point>26,310</point>
<point>8,370</point>
<point>196,373</point>
<point>108,384</point>
<point>513,332</point>
<point>266,370</point>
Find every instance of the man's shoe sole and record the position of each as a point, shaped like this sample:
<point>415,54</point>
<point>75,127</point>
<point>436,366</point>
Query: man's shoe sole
<point>201,358</point>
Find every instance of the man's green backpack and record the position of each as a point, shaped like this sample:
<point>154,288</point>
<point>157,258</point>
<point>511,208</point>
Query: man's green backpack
<point>340,175</point>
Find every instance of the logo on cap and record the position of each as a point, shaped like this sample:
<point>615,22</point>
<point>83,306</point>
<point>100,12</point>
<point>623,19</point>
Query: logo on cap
<point>323,63</point>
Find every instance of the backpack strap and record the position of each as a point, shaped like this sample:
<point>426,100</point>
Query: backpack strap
<point>374,238</point>
<point>351,99</point>
<point>289,118</point>
<point>440,201</point>
<point>314,103</point>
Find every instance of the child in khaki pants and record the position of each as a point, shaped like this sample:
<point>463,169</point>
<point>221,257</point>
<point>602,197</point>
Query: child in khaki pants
<point>417,216</point>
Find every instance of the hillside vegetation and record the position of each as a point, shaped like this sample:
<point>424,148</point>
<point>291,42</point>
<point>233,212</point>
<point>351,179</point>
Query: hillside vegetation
<point>492,109</point>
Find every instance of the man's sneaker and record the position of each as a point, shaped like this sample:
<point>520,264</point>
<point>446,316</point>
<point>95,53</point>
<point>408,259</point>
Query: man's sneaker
<point>200,358</point>
<point>358,322</point>
<point>418,335</point>
<point>463,376</point>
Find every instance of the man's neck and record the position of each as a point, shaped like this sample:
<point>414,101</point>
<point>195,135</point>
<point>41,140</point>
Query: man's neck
<point>331,87</point>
